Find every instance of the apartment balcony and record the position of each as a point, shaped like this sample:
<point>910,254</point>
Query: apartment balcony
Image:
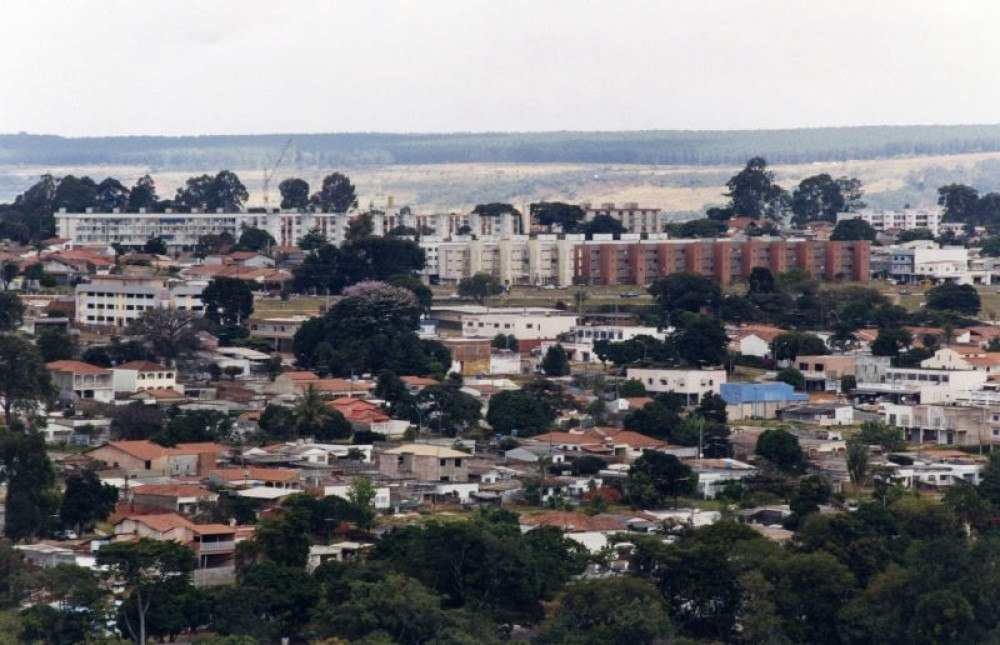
<point>227,546</point>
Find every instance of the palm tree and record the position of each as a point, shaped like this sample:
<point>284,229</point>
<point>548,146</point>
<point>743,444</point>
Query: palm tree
<point>311,411</point>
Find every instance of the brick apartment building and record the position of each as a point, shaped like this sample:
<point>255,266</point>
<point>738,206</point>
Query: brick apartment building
<point>639,263</point>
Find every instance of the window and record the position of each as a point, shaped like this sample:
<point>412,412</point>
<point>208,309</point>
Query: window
<point>444,462</point>
<point>458,463</point>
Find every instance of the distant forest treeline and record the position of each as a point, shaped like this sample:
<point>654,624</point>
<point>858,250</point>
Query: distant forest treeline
<point>641,147</point>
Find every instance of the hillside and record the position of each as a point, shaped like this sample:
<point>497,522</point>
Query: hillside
<point>640,147</point>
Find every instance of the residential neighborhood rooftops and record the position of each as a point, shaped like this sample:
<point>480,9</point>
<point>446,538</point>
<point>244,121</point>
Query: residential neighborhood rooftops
<point>426,450</point>
<point>75,367</point>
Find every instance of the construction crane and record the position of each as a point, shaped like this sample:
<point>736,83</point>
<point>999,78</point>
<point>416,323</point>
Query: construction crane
<point>269,173</point>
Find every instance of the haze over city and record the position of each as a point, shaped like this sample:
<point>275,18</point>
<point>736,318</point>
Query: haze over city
<point>257,66</point>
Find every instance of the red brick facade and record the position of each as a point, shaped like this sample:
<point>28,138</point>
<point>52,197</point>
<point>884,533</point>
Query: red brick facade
<point>727,261</point>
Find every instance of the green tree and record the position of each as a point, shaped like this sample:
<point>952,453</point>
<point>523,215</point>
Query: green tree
<point>155,246</point>
<point>685,292</point>
<point>278,422</point>
<point>228,301</point>
<point>86,501</point>
<point>168,333</point>
<point>362,496</point>
<point>619,611</point>
<point>24,380</point>
<point>360,227</point>
<point>110,194</point>
<point>336,195</point>
<point>514,411</point>
<point>136,421</point>
<point>142,195</point>
<point>809,591</point>
<point>848,230</point>
<point>876,433</point>
<point>781,448</point>
<point>312,241</point>
<point>603,225</point>
<point>948,296</point>
<point>891,341</point>
<point>566,216</point>
<point>142,567</point>
<point>914,234</point>
<point>224,191</point>
<point>821,197</point>
<point>255,239</point>
<point>11,308</point>
<point>447,409</point>
<point>55,344</point>
<point>653,420</point>
<point>294,193</point>
<point>421,291</point>
<point>480,287</point>
<point>789,345</point>
<point>793,377</point>
<point>753,192</point>
<point>700,340</point>
<point>857,462</point>
<point>667,474</point>
<point>555,362</point>
<point>631,388</point>
<point>959,202</point>
<point>989,484</point>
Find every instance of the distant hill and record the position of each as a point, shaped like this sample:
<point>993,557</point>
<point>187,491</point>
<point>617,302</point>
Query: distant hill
<point>643,147</point>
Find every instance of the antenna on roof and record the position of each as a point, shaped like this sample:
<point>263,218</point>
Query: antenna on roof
<point>269,173</point>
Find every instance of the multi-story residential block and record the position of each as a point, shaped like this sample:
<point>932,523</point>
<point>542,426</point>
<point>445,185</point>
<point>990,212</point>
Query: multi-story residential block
<point>899,220</point>
<point>515,260</point>
<point>182,231</point>
<point>118,299</point>
<point>632,217</point>
<point>606,261</point>
<point>694,384</point>
<point>960,425</point>
<point>524,323</point>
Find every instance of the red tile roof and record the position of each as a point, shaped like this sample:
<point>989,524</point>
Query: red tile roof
<point>141,366</point>
<point>173,490</point>
<point>75,367</point>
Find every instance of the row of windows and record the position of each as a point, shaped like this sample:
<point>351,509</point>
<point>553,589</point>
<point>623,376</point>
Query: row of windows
<point>109,294</point>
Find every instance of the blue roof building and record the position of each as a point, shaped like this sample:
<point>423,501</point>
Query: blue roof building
<point>758,400</point>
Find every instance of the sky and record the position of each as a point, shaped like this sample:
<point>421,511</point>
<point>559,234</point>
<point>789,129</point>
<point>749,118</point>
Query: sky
<point>113,67</point>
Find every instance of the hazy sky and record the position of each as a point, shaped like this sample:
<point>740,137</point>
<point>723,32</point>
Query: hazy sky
<point>81,67</point>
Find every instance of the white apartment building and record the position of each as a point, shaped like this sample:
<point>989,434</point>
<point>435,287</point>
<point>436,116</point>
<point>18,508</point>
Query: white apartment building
<point>517,259</point>
<point>118,299</point>
<point>694,384</point>
<point>580,344</point>
<point>632,217</point>
<point>927,385</point>
<point>181,231</point>
<point>899,220</point>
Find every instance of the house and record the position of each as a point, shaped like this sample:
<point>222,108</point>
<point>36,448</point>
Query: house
<point>186,499</point>
<point>278,331</point>
<point>825,372</point>
<point>255,476</point>
<point>963,358</point>
<point>920,384</point>
<point>713,474</point>
<point>381,502</point>
<point>831,414</point>
<point>345,551</point>
<point>365,415</point>
<point>945,425</point>
<point>612,442</point>
<point>214,545</point>
<point>146,458</point>
<point>758,400</point>
<point>424,462</point>
<point>754,340</point>
<point>692,383</point>
<point>76,380</point>
<point>135,376</point>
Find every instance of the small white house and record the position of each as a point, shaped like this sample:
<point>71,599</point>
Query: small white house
<point>694,384</point>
